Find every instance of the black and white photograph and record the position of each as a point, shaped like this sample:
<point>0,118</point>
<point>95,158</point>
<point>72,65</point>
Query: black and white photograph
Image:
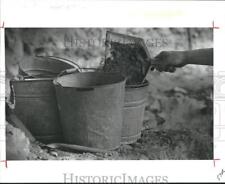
<point>109,93</point>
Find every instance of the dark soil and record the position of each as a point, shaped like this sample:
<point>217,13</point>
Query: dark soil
<point>129,59</point>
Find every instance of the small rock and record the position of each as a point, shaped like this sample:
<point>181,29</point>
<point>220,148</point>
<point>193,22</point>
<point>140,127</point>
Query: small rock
<point>156,106</point>
<point>39,157</point>
<point>137,145</point>
<point>106,154</point>
<point>160,120</point>
<point>143,157</point>
<point>99,154</point>
<point>53,153</point>
<point>127,147</point>
<point>43,158</point>
<point>180,90</point>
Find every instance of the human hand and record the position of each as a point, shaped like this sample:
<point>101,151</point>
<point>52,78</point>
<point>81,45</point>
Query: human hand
<point>168,61</point>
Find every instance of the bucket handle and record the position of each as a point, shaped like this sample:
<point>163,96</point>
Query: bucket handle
<point>65,72</point>
<point>74,64</point>
<point>12,100</point>
<point>68,61</point>
<point>68,71</point>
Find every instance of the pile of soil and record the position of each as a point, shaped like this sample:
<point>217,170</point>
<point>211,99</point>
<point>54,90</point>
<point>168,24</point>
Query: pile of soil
<point>129,59</point>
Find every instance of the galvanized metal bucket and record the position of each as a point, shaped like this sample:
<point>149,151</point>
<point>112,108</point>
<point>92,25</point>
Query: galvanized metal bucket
<point>35,99</point>
<point>133,112</point>
<point>36,107</point>
<point>90,106</point>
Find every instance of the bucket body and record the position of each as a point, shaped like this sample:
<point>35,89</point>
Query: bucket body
<point>90,106</point>
<point>36,107</point>
<point>133,112</point>
<point>35,98</point>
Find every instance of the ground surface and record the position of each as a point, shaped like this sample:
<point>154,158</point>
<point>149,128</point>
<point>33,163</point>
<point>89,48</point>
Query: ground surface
<point>154,145</point>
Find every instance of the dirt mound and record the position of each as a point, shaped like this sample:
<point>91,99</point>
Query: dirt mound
<point>17,144</point>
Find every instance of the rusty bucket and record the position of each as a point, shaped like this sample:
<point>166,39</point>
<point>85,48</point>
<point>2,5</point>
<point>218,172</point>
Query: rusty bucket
<point>133,112</point>
<point>90,106</point>
<point>35,99</point>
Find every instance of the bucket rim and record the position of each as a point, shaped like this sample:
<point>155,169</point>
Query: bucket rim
<point>32,79</point>
<point>122,80</point>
